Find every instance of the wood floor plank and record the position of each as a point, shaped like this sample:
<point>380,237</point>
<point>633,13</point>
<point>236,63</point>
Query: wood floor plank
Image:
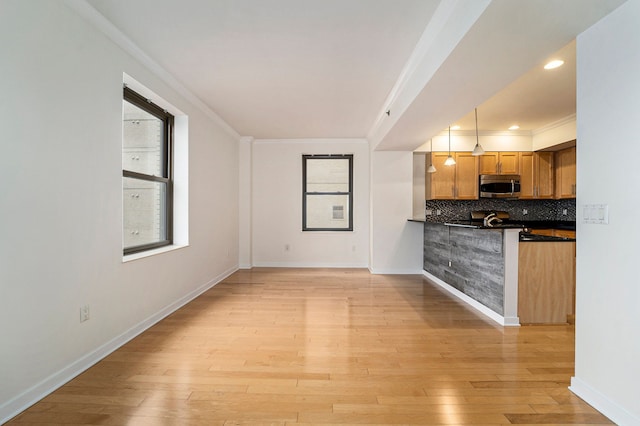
<point>326,346</point>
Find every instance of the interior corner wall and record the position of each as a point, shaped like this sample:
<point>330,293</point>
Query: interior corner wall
<point>276,203</point>
<point>61,203</point>
<point>396,243</point>
<point>607,371</point>
<point>245,211</point>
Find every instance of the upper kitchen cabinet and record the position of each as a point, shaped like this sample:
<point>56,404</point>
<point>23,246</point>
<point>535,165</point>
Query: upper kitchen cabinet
<point>502,163</point>
<point>536,175</point>
<point>439,185</point>
<point>565,172</point>
<point>466,187</point>
<point>457,182</point>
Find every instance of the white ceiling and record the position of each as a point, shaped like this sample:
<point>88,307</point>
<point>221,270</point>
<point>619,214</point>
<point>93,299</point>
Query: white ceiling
<point>536,99</point>
<point>331,68</point>
<point>280,68</point>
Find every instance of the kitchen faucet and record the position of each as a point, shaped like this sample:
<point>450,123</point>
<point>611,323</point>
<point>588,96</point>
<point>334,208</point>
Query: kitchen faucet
<point>490,219</point>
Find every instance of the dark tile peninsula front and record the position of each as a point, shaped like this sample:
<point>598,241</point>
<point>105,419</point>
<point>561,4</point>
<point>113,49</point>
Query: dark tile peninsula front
<point>469,259</point>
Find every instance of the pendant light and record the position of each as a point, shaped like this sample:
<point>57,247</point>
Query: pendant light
<point>449,161</point>
<point>478,149</point>
<point>431,168</point>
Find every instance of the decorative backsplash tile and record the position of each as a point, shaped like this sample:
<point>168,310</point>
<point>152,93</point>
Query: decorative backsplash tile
<point>536,209</point>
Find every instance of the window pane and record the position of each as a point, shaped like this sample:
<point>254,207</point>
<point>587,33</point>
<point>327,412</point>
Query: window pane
<point>327,175</point>
<point>143,141</point>
<point>144,212</point>
<point>327,211</point>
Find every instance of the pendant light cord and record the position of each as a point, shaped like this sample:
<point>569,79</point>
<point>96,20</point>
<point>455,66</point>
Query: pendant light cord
<point>477,138</point>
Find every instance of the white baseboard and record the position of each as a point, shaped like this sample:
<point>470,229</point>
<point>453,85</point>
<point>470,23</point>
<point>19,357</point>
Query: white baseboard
<point>395,271</point>
<point>306,265</point>
<point>24,400</point>
<point>600,402</point>
<point>505,321</point>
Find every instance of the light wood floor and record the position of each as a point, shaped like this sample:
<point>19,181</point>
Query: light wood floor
<point>291,346</point>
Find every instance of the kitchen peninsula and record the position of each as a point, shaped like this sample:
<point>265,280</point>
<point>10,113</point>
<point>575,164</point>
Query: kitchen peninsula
<point>481,265</point>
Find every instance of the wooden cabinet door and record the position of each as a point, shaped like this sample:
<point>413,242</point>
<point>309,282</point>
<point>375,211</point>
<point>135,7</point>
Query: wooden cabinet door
<point>544,175</point>
<point>502,163</point>
<point>441,183</point>
<point>509,164</point>
<point>546,278</point>
<point>466,187</point>
<point>488,163</point>
<point>566,173</point>
<point>527,175</point>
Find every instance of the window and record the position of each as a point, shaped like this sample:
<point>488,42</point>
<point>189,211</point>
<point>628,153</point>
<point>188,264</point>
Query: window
<point>327,192</point>
<point>147,187</point>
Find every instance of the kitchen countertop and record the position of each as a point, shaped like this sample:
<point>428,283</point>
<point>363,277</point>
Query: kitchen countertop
<point>533,224</point>
<point>528,238</point>
<point>479,224</point>
<point>524,236</point>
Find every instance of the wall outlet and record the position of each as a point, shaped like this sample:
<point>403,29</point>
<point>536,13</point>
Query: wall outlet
<point>428,212</point>
<point>564,212</point>
<point>84,313</point>
<point>287,247</point>
<point>438,212</point>
<point>525,212</point>
<point>449,264</point>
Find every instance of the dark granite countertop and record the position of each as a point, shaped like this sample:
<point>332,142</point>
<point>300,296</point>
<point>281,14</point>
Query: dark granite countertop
<point>532,224</point>
<point>479,224</point>
<point>543,238</point>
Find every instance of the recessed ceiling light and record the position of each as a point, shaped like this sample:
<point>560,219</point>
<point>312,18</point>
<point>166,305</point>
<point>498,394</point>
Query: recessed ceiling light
<point>456,127</point>
<point>553,64</point>
<point>514,127</point>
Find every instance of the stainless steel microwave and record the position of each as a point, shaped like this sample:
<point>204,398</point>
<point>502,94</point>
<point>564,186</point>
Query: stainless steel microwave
<point>499,186</point>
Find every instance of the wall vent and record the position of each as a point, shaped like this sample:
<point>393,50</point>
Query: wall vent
<point>338,212</point>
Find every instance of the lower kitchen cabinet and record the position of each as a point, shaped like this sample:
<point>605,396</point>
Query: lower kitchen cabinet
<point>546,282</point>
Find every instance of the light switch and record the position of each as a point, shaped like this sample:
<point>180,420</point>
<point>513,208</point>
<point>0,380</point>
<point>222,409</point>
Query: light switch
<point>596,214</point>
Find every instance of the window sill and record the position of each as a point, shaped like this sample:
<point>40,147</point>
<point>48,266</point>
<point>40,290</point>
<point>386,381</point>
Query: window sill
<point>148,253</point>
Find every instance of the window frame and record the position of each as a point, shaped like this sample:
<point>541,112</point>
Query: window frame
<point>167,119</point>
<point>306,157</point>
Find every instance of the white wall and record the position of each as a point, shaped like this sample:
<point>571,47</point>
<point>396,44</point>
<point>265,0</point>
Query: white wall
<point>276,205</point>
<point>607,371</point>
<point>61,203</point>
<point>396,244</point>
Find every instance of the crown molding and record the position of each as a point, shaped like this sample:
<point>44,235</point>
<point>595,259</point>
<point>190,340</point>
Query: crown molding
<point>310,141</point>
<point>486,133</point>
<point>102,24</point>
<point>563,121</point>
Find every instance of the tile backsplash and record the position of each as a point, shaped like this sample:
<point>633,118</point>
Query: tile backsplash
<point>536,209</point>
